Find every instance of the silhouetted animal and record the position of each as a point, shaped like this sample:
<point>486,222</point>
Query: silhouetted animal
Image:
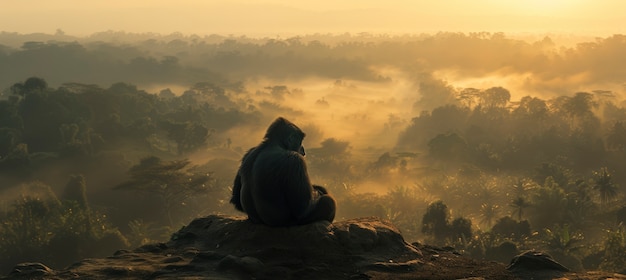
<point>272,185</point>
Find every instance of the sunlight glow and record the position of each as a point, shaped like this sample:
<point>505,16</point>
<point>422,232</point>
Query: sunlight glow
<point>543,7</point>
<point>297,17</point>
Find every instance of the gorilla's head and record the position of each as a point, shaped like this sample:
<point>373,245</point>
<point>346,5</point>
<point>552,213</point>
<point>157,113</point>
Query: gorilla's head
<point>286,134</point>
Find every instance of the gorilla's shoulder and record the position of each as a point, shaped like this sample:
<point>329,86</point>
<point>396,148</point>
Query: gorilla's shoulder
<point>236,235</point>
<point>275,156</point>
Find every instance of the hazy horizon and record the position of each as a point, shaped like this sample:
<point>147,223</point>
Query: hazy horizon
<point>512,113</point>
<point>279,17</point>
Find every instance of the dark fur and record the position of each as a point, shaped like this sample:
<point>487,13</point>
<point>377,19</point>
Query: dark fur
<point>272,185</point>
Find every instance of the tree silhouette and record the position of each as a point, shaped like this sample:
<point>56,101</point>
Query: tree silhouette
<point>488,213</point>
<point>468,97</point>
<point>172,181</point>
<point>435,221</point>
<point>549,198</point>
<point>616,139</point>
<point>461,228</point>
<point>507,227</point>
<point>32,84</point>
<point>495,97</point>
<point>519,204</point>
<point>564,244</point>
<point>603,183</point>
<point>448,147</point>
<point>188,136</point>
<point>76,190</point>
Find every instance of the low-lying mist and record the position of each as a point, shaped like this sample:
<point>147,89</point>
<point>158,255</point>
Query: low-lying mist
<point>469,140</point>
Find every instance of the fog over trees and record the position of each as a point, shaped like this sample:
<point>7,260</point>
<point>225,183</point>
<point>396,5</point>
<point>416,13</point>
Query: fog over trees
<point>487,143</point>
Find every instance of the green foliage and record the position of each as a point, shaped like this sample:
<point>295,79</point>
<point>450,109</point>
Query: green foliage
<point>17,161</point>
<point>361,204</point>
<point>435,223</point>
<point>615,250</point>
<point>76,190</point>
<point>461,228</point>
<point>448,147</point>
<point>617,137</point>
<point>189,136</point>
<point>621,215</point>
<point>80,121</point>
<point>603,183</point>
<point>435,220</point>
<point>43,229</point>
<point>564,245</point>
<point>563,240</point>
<point>549,198</point>
<point>142,233</point>
<point>551,145</point>
<point>509,228</point>
<point>519,204</point>
<point>488,213</point>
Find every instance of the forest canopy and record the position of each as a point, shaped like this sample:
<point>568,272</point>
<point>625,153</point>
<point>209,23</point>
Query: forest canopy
<point>488,143</point>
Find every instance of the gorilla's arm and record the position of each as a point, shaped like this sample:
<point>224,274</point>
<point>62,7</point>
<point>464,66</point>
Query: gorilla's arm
<point>236,198</point>
<point>299,192</point>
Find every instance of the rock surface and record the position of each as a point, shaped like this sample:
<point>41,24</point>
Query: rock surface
<point>225,247</point>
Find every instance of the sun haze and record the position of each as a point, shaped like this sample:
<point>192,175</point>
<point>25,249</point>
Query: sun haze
<point>275,17</point>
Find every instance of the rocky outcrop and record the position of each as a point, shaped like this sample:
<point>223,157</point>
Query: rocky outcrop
<point>536,265</point>
<point>225,247</point>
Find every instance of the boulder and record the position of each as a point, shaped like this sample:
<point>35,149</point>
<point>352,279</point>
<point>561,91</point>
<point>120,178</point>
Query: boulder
<point>538,264</point>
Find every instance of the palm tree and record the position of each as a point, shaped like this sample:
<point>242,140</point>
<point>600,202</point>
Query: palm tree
<point>518,205</point>
<point>488,212</point>
<point>603,183</point>
<point>562,240</point>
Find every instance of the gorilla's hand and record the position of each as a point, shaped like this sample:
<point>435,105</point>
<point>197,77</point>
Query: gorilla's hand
<point>320,189</point>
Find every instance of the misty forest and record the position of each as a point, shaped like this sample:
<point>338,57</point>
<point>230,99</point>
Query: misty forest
<point>488,143</point>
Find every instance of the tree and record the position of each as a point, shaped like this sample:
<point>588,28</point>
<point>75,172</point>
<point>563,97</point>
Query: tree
<point>559,174</point>
<point>495,97</point>
<point>461,228</point>
<point>448,147</point>
<point>38,226</point>
<point>603,183</point>
<point>8,140</point>
<point>32,84</point>
<point>172,181</point>
<point>532,107</point>
<point>434,93</point>
<point>549,204</point>
<point>518,205</point>
<point>188,136</point>
<point>621,215</point>
<point>617,137</point>
<point>507,227</point>
<point>564,245</point>
<point>435,221</point>
<point>488,213</point>
<point>468,96</point>
<point>579,105</point>
<point>17,161</point>
<point>614,249</point>
<point>76,190</point>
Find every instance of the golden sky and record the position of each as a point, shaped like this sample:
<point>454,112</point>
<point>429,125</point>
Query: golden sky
<point>268,17</point>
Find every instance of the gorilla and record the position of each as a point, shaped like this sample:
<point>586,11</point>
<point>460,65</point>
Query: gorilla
<point>272,185</point>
